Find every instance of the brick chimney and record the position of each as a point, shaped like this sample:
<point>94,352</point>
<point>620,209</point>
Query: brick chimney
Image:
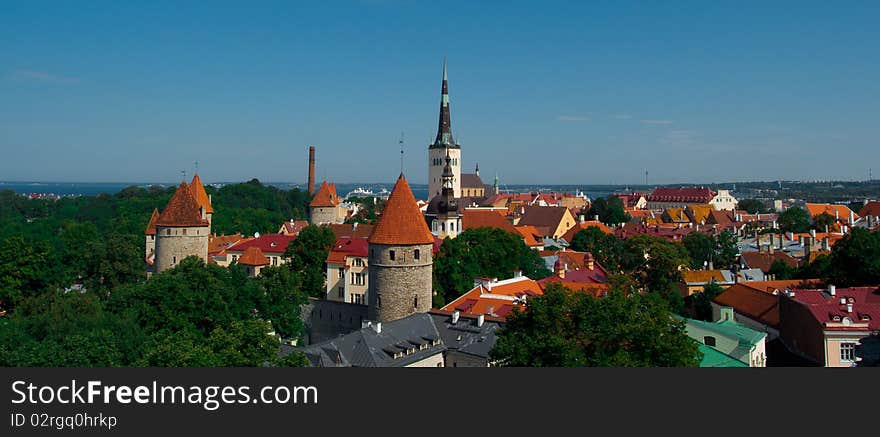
<point>311,170</point>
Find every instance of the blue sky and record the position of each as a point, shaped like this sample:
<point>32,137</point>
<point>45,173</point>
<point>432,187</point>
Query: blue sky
<point>541,92</point>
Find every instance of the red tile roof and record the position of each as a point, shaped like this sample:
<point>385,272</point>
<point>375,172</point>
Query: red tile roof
<point>182,210</point>
<point>824,307</point>
<point>201,196</point>
<point>293,227</point>
<point>325,197</point>
<point>755,304</point>
<point>870,208</point>
<point>401,221</point>
<point>685,195</point>
<point>531,236</point>
<point>765,260</point>
<point>253,256</point>
<point>275,244</point>
<point>151,227</point>
<point>345,247</point>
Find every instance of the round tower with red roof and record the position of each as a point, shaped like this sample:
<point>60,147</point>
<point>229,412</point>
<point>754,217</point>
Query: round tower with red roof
<point>182,229</point>
<point>400,259</point>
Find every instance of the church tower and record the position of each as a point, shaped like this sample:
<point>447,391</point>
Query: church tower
<point>447,222</point>
<point>400,259</point>
<point>444,145</point>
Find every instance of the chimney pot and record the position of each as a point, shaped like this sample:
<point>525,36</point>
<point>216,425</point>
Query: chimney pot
<point>455,315</point>
<point>480,319</point>
<point>849,307</point>
<point>832,290</point>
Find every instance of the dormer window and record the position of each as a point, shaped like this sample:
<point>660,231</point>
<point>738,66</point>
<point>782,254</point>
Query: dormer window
<point>835,317</point>
<point>866,317</point>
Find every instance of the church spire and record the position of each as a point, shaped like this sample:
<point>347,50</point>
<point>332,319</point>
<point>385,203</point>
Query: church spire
<point>444,128</point>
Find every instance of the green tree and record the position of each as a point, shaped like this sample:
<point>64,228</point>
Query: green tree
<point>794,220</point>
<point>606,248</point>
<point>703,301</point>
<point>720,249</point>
<point>482,252</point>
<point>282,300</point>
<point>781,270</point>
<point>308,253</point>
<point>21,269</point>
<point>656,266</point>
<point>753,206</point>
<point>824,221</point>
<point>570,329</point>
<point>610,210</point>
<point>855,259</point>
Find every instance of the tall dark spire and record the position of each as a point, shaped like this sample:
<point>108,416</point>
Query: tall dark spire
<point>448,205</point>
<point>444,129</point>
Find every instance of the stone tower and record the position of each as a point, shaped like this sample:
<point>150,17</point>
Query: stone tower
<point>324,207</point>
<point>400,259</point>
<point>150,234</point>
<point>182,230</point>
<point>447,222</point>
<point>444,145</point>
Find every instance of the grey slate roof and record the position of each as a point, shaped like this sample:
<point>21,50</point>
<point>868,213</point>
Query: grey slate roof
<point>465,336</point>
<point>423,335</point>
<point>415,336</point>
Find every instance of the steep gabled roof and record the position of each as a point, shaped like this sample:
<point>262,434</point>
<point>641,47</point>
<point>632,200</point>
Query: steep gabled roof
<point>871,208</point>
<point>840,211</point>
<point>401,221</point>
<point>253,256</point>
<point>182,210</point>
<point>151,227</point>
<point>569,235</point>
<point>471,180</point>
<point>325,197</point>
<point>198,191</point>
<point>543,216</point>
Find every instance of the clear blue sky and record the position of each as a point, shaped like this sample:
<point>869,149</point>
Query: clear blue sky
<point>541,92</point>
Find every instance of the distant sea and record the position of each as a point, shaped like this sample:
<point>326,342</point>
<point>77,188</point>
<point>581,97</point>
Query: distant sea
<point>420,191</point>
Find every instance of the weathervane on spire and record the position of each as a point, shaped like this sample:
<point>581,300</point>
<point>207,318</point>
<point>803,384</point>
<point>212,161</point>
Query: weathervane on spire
<point>183,175</point>
<point>196,163</point>
<point>401,152</point>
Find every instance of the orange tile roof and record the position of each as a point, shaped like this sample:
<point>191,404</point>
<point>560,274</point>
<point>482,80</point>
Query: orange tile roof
<point>496,299</point>
<point>816,209</point>
<point>753,303</point>
<point>698,213</point>
<point>569,236</point>
<point>701,276</point>
<point>401,221</point>
<point>476,218</point>
<point>151,227</point>
<point>182,210</point>
<point>198,191</point>
<point>528,233</point>
<point>325,197</point>
<point>592,288</point>
<point>781,284</point>
<point>253,256</point>
<point>218,244</point>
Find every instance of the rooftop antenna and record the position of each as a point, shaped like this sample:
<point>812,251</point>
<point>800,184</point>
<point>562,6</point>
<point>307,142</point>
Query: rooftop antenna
<point>401,152</point>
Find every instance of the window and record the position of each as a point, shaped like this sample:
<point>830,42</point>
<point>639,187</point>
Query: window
<point>415,301</point>
<point>342,292</point>
<point>847,351</point>
<point>184,231</point>
<point>341,272</point>
<point>234,258</point>
<point>173,260</point>
<point>391,254</point>
<point>168,232</point>
<point>709,340</point>
<point>416,254</point>
<point>274,260</point>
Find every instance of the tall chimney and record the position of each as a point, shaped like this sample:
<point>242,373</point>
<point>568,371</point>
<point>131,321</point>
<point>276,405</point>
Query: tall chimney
<point>311,169</point>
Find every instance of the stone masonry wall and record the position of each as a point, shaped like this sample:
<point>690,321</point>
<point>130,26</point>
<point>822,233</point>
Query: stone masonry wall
<point>178,246</point>
<point>400,287</point>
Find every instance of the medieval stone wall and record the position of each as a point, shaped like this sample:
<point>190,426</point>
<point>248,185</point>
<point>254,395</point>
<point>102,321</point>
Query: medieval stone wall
<point>400,286</point>
<point>173,244</point>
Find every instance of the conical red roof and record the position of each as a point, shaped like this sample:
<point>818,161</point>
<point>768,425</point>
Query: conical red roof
<point>201,196</point>
<point>151,227</point>
<point>401,221</point>
<point>325,197</point>
<point>182,210</point>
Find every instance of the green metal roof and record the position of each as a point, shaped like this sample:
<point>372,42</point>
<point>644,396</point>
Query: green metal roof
<point>714,358</point>
<point>731,329</point>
